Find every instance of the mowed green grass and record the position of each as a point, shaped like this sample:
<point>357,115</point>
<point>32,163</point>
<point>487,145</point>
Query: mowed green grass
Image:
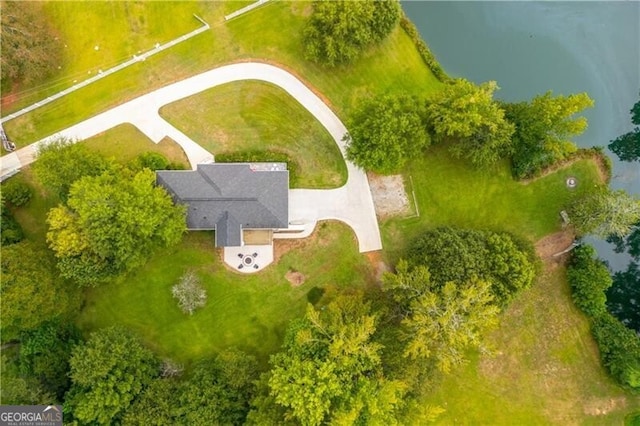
<point>250,312</point>
<point>272,33</point>
<point>544,368</point>
<point>451,192</point>
<point>125,142</point>
<point>257,116</point>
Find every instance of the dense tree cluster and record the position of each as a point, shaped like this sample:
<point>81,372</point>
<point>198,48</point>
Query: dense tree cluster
<point>385,132</point>
<point>589,279</point>
<point>543,128</point>
<point>32,293</point>
<point>605,212</point>
<point>112,223</point>
<point>107,373</point>
<point>460,255</point>
<point>468,114</point>
<point>338,31</point>
<point>30,49</point>
<point>62,162</point>
<point>439,323</point>
<point>619,345</point>
<point>330,371</point>
<point>627,146</point>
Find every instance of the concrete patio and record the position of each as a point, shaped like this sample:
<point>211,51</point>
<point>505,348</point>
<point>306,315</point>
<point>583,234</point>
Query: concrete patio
<point>251,258</point>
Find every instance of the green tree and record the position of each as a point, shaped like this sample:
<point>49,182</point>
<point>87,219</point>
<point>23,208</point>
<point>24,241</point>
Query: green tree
<point>338,31</point>
<point>619,348</point>
<point>635,113</point>
<point>441,324</point>
<point>330,370</point>
<point>16,192</point>
<point>543,130</point>
<point>108,372</point>
<point>17,389</point>
<point>10,230</point>
<point>459,255</point>
<point>589,279</point>
<point>627,146</point>
<point>468,114</point>
<point>605,212</point>
<point>623,297</point>
<point>386,132</point>
<point>62,162</point>
<point>31,292</point>
<point>112,223</point>
<point>219,390</point>
<point>156,406</point>
<point>45,353</point>
<point>31,51</point>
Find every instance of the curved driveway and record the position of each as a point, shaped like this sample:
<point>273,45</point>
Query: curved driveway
<point>351,203</point>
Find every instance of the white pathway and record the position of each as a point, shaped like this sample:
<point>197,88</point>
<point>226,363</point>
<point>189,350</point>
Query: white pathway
<point>351,203</point>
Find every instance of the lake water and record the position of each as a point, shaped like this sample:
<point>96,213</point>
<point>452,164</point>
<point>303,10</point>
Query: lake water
<point>532,47</point>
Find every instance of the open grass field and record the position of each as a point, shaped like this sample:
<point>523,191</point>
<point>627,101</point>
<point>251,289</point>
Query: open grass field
<point>250,312</point>
<point>259,35</point>
<point>452,192</point>
<point>257,116</point>
<point>544,369</point>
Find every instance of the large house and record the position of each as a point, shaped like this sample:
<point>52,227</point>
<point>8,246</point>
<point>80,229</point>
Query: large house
<point>231,198</point>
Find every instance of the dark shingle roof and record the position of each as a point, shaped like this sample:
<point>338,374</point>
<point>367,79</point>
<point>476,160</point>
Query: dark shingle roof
<point>229,197</point>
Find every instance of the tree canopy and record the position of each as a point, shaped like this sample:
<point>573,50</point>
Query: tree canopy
<point>385,132</point>
<point>459,255</point>
<point>112,223</point>
<point>440,323</point>
<point>330,370</point>
<point>467,113</point>
<point>62,162</point>
<point>31,50</point>
<point>338,31</point>
<point>605,212</point>
<point>627,146</point>
<point>31,292</point>
<point>589,279</point>
<point>108,372</point>
<point>543,130</point>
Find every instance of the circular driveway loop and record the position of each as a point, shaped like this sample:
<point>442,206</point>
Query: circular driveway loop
<point>351,203</point>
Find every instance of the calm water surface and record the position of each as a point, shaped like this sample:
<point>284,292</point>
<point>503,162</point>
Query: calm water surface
<point>532,47</point>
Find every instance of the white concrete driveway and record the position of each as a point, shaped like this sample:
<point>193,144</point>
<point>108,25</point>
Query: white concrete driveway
<point>351,203</point>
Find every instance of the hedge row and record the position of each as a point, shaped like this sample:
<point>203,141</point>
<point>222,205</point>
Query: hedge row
<point>426,54</point>
<point>619,346</point>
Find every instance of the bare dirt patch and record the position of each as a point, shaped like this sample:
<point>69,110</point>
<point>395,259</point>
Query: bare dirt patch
<point>379,265</point>
<point>295,278</point>
<point>553,244</point>
<point>389,195</point>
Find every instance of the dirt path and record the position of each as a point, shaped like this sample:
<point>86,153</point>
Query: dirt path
<point>554,243</point>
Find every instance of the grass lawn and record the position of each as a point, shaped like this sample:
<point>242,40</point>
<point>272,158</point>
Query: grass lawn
<point>247,311</point>
<point>125,142</point>
<point>451,192</point>
<point>259,35</point>
<point>544,369</point>
<point>257,116</point>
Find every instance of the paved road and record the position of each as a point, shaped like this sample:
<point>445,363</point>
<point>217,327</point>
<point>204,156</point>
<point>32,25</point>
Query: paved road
<point>351,203</point>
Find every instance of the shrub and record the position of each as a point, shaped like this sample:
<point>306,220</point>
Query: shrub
<point>17,192</point>
<point>152,161</point>
<point>189,293</point>
<point>589,279</point>
<point>459,255</point>
<point>619,349</point>
<point>10,229</point>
